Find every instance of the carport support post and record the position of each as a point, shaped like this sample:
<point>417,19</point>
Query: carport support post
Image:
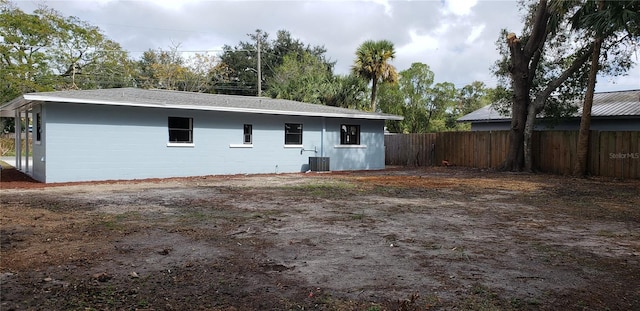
<point>18,139</point>
<point>27,121</point>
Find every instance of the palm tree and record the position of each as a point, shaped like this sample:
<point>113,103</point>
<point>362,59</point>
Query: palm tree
<point>372,64</point>
<point>619,20</point>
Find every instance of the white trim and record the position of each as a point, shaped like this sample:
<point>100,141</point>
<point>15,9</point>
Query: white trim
<point>190,145</point>
<point>240,145</point>
<point>294,146</point>
<point>350,146</point>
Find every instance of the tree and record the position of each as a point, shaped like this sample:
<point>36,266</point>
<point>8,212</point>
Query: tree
<point>111,68</point>
<point>409,97</point>
<point>82,55</point>
<point>472,97</point>
<point>162,69</point>
<point>371,64</point>
<point>241,61</point>
<point>547,70</point>
<point>522,61</point>
<point>24,64</point>
<point>415,87</point>
<point>309,78</point>
<point>301,78</point>
<point>203,69</point>
<point>44,51</point>
<point>168,69</point>
<point>391,100</point>
<point>469,98</point>
<point>612,21</point>
<point>442,101</point>
<point>426,107</point>
<point>346,91</point>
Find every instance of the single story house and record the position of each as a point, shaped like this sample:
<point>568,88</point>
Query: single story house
<point>611,111</point>
<point>129,133</point>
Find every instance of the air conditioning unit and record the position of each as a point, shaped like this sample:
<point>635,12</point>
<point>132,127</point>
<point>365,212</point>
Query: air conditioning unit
<point>319,164</point>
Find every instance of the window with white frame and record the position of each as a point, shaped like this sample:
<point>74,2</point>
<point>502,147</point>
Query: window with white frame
<point>292,134</point>
<point>180,130</point>
<point>248,134</point>
<point>349,134</point>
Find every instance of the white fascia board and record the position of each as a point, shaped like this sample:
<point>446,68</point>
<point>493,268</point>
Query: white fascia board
<point>35,97</point>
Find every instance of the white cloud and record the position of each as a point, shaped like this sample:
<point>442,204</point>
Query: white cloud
<point>459,7</point>
<point>170,5</point>
<point>454,37</point>
<point>385,4</point>
<point>476,31</point>
<point>420,43</point>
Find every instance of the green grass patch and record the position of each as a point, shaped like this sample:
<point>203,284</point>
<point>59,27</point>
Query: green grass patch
<point>118,222</point>
<point>481,298</point>
<point>358,216</point>
<point>324,190</point>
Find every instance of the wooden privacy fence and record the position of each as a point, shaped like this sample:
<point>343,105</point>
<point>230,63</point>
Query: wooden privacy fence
<point>410,149</point>
<point>612,154</point>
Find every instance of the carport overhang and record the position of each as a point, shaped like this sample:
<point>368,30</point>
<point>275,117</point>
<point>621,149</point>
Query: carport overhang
<point>20,109</point>
<point>21,103</point>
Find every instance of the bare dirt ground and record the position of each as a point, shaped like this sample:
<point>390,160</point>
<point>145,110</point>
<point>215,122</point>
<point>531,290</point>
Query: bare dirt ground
<point>398,239</point>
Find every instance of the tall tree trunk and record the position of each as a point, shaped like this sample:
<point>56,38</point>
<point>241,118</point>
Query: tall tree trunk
<point>532,112</point>
<point>519,69</point>
<point>374,88</point>
<point>580,168</point>
<point>515,154</point>
<point>537,105</point>
<point>524,62</point>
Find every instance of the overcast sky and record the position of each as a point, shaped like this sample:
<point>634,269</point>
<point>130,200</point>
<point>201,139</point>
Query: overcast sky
<point>456,38</point>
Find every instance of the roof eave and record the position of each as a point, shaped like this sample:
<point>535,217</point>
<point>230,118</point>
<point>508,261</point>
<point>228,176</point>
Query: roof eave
<point>41,98</point>
<point>483,120</point>
<point>8,109</point>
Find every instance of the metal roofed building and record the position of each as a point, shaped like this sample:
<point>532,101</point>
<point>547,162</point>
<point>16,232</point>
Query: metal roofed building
<point>611,111</point>
<point>129,133</point>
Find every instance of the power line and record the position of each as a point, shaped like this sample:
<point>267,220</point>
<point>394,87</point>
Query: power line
<point>122,50</point>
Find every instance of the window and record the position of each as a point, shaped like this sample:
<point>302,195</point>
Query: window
<point>180,130</point>
<point>248,134</point>
<point>38,127</point>
<point>349,134</point>
<point>292,134</point>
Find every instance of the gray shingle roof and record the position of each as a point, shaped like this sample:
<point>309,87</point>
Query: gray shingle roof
<point>193,101</point>
<point>605,105</point>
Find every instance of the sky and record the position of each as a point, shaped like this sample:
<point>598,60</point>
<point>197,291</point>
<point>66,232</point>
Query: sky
<point>456,38</point>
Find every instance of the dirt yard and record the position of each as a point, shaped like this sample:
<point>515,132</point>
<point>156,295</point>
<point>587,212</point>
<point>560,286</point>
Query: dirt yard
<point>398,239</point>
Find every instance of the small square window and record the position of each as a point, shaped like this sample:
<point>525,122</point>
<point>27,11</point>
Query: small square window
<point>349,134</point>
<point>292,134</point>
<point>180,130</point>
<point>248,134</point>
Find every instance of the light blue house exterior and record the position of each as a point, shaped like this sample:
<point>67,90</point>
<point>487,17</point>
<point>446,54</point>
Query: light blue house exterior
<point>124,134</point>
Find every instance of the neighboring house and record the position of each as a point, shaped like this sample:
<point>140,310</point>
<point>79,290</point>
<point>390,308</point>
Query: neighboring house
<point>134,133</point>
<point>612,111</point>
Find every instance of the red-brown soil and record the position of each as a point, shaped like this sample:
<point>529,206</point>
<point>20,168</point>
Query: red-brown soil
<point>397,239</point>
